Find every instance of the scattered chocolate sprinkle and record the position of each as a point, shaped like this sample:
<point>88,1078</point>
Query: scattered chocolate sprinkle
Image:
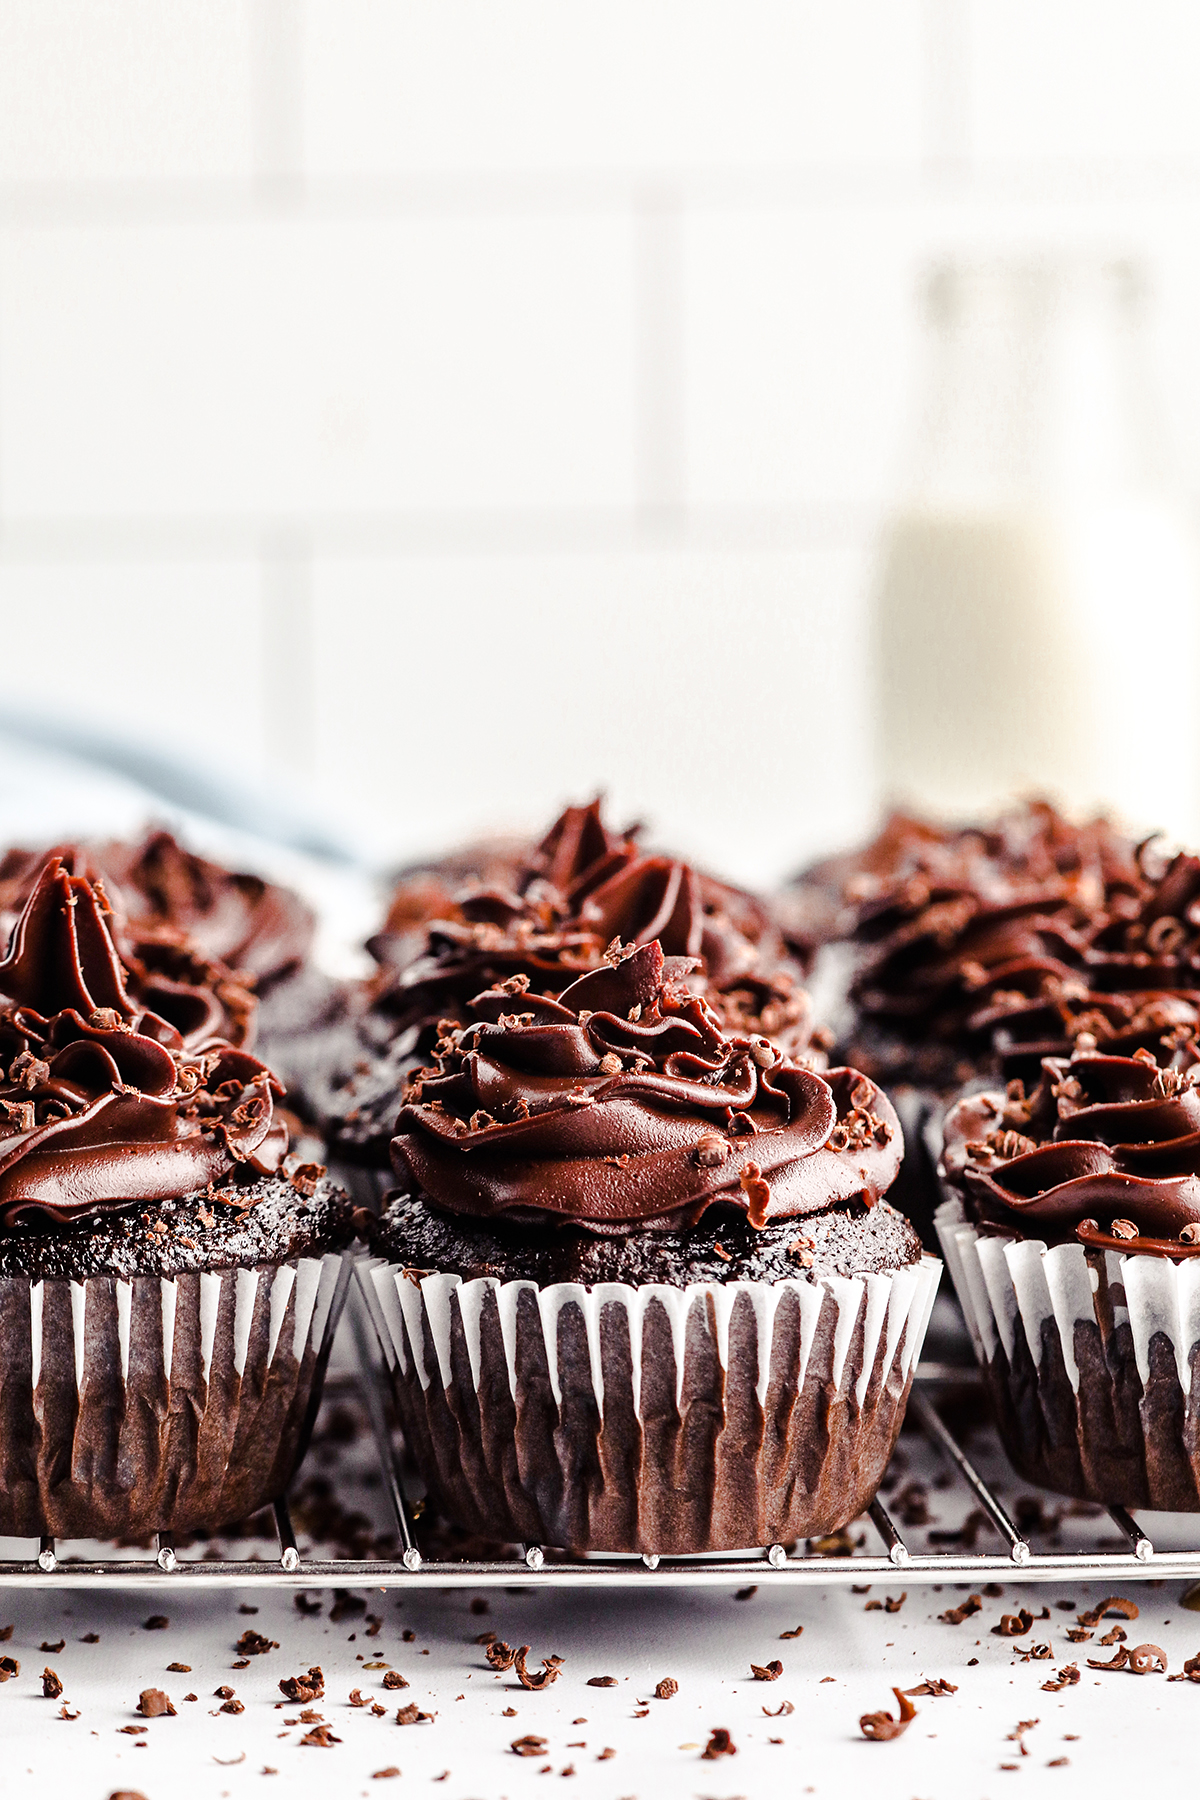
<point>243,1608</point>
<point>510,1712</point>
<point>602,1681</point>
<point>746,1593</point>
<point>771,1672</point>
<point>1116,1604</point>
<point>304,1687</point>
<point>52,1687</point>
<point>881,1726</point>
<point>529,1745</point>
<point>1014,1624</point>
<point>667,1688</point>
<point>385,1774</point>
<point>320,1738</point>
<point>606,1753</point>
<point>412,1715</point>
<point>1067,1676</point>
<point>89,1637</point>
<point>956,1614</point>
<point>154,1704</point>
<point>798,1632</point>
<point>179,1668</point>
<point>782,1711</point>
<point>408,1636</point>
<point>64,1712</point>
<point>394,1679</point>
<point>53,1649</point>
<point>719,1744</point>
<point>156,1622</point>
<point>253,1643</point>
<point>934,1686</point>
<point>1058,1762</point>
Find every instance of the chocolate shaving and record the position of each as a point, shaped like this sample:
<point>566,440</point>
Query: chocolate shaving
<point>601,1680</point>
<point>1014,1624</point>
<point>934,1686</point>
<point>154,1704</point>
<point>52,1687</point>
<point>253,1643</point>
<point>667,1688</point>
<point>502,1656</point>
<point>782,1711</point>
<point>1116,1605</point>
<point>321,1737</point>
<point>881,1726</point>
<point>771,1672</point>
<point>53,1649</point>
<point>957,1614</point>
<point>1120,1660</point>
<point>529,1745</point>
<point>719,1744</point>
<point>156,1622</point>
<point>394,1679</point>
<point>798,1632</point>
<point>412,1715</point>
<point>304,1688</point>
<point>179,1668</point>
<point>1147,1659</point>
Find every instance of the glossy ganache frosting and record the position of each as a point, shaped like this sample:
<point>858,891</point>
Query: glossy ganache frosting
<point>958,932</point>
<point>103,1104</point>
<point>1104,1151</point>
<point>622,1105</point>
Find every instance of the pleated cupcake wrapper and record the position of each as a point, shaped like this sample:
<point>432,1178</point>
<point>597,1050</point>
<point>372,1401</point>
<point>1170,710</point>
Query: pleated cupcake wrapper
<point>580,1380</point>
<point>1089,1356</point>
<point>129,1406</point>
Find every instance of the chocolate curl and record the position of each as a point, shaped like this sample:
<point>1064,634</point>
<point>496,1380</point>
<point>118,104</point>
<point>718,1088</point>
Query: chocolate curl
<point>881,1726</point>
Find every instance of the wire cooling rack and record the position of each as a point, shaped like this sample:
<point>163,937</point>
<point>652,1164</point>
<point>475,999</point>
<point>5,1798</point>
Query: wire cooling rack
<point>850,1557</point>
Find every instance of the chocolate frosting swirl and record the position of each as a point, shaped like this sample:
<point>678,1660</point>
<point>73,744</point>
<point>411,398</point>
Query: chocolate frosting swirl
<point>102,1104</point>
<point>622,1105</point>
<point>1106,1150</point>
<point>959,931</point>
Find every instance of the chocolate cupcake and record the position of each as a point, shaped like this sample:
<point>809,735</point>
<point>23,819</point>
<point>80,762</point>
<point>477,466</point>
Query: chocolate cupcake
<point>169,1277</point>
<point>1071,1231</point>
<point>641,1291</point>
<point>580,889</point>
<point>950,941</point>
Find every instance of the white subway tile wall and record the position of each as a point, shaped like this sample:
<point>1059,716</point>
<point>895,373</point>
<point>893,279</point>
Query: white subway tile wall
<point>453,408</point>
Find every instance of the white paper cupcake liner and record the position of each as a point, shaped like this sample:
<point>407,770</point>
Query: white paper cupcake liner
<point>655,1419</point>
<point>1089,1359</point>
<point>154,1404</point>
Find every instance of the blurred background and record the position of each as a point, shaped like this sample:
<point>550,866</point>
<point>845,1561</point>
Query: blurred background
<point>424,412</point>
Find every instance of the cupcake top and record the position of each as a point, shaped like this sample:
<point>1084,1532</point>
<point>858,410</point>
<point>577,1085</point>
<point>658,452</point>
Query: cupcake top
<point>582,888</point>
<point>1105,1151</point>
<point>957,930</point>
<point>173,974</point>
<point>103,1103</point>
<point>623,1105</point>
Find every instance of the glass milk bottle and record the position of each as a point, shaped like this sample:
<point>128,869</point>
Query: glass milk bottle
<point>1036,603</point>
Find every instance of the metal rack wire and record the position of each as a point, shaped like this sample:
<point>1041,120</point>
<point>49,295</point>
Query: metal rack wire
<point>809,1565</point>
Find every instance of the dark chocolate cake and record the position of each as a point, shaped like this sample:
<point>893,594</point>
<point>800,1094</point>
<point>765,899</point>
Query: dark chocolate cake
<point>636,1287</point>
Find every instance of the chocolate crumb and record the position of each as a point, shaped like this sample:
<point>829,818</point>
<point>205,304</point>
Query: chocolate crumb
<point>52,1687</point>
<point>233,1706</point>
<point>53,1649</point>
<point>798,1632</point>
<point>1115,1604</point>
<point>956,1614</point>
<point>303,1688</point>
<point>746,1593</point>
<point>771,1672</point>
<point>179,1668</point>
<point>719,1744</point>
<point>308,1607</point>
<point>933,1685</point>
<point>223,1693</point>
<point>602,1681</point>
<point>89,1637</point>
<point>412,1715</point>
<point>394,1679</point>
<point>154,1704</point>
<point>253,1643</point>
<point>510,1712</point>
<point>320,1738</point>
<point>606,1753</point>
<point>385,1774</point>
<point>156,1622</point>
<point>357,1698</point>
<point>667,1688</point>
<point>529,1745</point>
